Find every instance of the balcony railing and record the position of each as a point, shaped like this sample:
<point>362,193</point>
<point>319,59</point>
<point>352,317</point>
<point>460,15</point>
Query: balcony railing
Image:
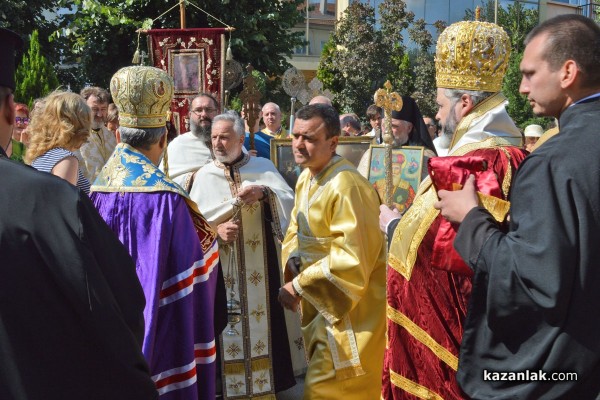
<point>591,10</point>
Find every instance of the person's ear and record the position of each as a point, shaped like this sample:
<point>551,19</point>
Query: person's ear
<point>568,74</point>
<point>465,105</point>
<point>8,109</point>
<point>334,143</point>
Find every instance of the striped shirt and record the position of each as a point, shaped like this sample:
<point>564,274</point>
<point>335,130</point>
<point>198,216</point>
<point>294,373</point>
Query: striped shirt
<point>49,159</point>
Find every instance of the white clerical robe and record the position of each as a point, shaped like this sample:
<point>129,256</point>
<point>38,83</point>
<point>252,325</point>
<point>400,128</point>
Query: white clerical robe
<point>186,153</point>
<point>252,276</point>
<point>94,153</point>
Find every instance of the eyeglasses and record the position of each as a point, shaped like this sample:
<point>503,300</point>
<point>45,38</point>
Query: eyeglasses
<point>22,120</point>
<point>207,110</point>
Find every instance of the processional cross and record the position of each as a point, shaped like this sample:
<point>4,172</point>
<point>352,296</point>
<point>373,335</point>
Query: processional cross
<point>389,101</point>
<point>250,97</point>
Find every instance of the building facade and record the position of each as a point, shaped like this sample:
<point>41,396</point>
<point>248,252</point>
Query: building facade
<point>322,15</point>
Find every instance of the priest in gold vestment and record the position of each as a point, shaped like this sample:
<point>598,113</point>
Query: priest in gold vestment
<point>334,257</point>
<point>428,284</point>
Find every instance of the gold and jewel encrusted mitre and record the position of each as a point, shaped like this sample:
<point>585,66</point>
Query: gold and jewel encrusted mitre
<point>142,95</point>
<point>472,55</point>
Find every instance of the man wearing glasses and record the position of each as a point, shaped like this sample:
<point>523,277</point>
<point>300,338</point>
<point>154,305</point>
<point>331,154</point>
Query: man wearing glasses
<point>191,151</point>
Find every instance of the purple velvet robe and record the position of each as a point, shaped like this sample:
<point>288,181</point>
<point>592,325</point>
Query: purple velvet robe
<point>178,273</point>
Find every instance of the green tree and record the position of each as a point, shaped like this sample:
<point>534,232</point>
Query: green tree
<point>359,58</point>
<point>423,67</point>
<point>101,33</point>
<point>517,20</point>
<point>23,17</point>
<point>35,76</point>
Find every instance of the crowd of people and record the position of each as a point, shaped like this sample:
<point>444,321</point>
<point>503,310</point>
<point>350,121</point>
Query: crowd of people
<point>142,264</point>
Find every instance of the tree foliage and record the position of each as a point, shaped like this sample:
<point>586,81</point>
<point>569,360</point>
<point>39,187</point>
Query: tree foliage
<point>101,33</point>
<point>359,58</point>
<point>354,60</point>
<point>35,76</point>
<point>425,88</point>
<point>517,20</point>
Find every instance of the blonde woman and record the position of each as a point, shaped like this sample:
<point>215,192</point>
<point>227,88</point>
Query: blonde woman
<point>56,132</point>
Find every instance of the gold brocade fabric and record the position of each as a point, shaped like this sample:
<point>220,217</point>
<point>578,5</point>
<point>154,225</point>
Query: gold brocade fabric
<point>96,152</point>
<point>334,229</point>
<point>281,134</point>
<point>416,221</point>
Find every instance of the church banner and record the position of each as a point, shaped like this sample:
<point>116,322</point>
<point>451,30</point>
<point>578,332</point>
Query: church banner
<point>195,59</point>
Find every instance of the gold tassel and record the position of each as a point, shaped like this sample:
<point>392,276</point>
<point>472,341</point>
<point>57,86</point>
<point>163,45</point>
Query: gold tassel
<point>136,57</point>
<point>261,364</point>
<point>229,54</point>
<point>265,397</point>
<point>233,368</point>
<point>166,161</point>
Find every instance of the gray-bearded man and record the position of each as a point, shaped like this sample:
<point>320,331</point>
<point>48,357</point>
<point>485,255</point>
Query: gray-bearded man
<point>248,203</point>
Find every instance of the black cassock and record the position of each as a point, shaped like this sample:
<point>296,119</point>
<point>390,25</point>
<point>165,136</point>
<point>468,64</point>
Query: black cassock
<point>71,323</point>
<point>535,302</point>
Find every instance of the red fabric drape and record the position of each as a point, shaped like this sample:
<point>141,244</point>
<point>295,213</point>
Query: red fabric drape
<point>195,59</point>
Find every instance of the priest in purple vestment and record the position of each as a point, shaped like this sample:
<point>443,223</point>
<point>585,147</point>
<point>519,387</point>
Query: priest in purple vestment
<point>173,246</point>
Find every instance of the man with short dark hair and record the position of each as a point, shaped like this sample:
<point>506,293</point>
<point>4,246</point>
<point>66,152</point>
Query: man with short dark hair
<point>350,125</point>
<point>192,150</point>
<point>70,301</point>
<point>94,153</point>
<point>375,117</point>
<point>334,257</point>
<point>535,289</point>
<point>174,248</point>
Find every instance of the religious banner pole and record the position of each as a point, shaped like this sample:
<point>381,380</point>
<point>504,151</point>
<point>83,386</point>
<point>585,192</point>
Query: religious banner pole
<point>389,101</point>
<point>293,82</point>
<point>250,97</point>
<point>182,13</point>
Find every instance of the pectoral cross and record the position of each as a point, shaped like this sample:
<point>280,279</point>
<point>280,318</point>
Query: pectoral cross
<point>389,101</point>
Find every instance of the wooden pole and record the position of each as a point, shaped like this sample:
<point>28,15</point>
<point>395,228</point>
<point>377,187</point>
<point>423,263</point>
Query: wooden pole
<point>182,13</point>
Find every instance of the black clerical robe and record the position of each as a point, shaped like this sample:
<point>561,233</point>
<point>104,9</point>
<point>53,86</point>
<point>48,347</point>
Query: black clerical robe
<point>536,290</point>
<point>71,323</point>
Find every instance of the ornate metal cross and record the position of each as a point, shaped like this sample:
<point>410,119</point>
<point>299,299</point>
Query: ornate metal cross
<point>389,101</point>
<point>250,97</point>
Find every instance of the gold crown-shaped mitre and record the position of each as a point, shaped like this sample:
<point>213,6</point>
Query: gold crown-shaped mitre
<point>472,55</point>
<point>142,95</point>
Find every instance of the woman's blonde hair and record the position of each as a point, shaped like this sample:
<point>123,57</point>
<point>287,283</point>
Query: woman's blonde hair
<point>64,121</point>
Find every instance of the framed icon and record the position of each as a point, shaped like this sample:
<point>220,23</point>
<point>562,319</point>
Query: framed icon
<point>407,167</point>
<point>352,148</point>
<point>186,69</point>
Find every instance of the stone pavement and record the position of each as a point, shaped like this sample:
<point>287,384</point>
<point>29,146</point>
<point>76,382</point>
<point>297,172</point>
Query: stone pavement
<point>294,393</point>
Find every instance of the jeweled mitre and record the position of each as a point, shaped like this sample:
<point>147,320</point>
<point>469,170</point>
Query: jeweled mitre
<point>472,55</point>
<point>142,95</point>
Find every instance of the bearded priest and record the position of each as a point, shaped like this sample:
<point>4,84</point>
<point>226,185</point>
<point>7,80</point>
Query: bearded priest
<point>428,284</point>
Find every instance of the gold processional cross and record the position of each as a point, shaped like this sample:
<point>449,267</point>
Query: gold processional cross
<point>389,101</point>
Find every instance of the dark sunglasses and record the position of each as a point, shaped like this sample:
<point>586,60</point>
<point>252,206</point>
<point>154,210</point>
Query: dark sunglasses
<point>22,120</point>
